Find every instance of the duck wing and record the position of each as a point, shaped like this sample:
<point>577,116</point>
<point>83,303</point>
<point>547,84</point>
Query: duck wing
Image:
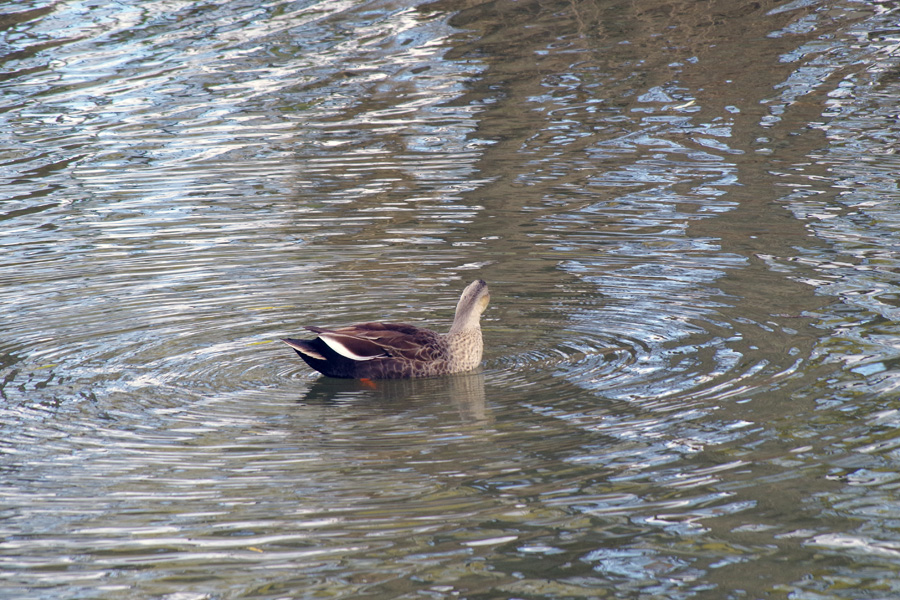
<point>368,341</point>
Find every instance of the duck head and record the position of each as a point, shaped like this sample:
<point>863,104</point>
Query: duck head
<point>472,303</point>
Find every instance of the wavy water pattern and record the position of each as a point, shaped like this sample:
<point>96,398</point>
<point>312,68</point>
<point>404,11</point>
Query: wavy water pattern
<point>686,214</point>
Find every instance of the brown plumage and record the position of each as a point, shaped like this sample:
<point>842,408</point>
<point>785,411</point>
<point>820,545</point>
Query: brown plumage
<point>396,350</point>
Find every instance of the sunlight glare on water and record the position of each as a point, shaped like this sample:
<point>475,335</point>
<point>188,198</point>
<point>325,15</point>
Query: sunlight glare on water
<point>687,217</point>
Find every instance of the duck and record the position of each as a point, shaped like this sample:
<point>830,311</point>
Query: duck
<point>398,350</point>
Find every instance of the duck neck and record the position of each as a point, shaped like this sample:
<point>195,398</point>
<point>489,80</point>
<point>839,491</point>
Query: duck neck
<point>464,328</point>
<point>465,348</point>
<point>466,320</point>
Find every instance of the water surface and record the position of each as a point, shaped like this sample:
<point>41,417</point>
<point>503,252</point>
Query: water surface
<point>686,214</point>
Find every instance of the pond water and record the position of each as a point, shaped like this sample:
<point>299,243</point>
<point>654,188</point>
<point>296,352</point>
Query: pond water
<point>688,216</point>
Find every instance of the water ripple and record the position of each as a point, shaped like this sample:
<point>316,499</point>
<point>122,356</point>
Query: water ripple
<point>670,355</point>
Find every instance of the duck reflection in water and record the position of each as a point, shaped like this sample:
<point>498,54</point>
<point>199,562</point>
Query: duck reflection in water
<point>461,391</point>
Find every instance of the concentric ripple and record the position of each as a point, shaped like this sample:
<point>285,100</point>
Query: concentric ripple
<point>687,218</point>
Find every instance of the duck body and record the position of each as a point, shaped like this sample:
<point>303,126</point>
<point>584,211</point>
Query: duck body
<point>397,350</point>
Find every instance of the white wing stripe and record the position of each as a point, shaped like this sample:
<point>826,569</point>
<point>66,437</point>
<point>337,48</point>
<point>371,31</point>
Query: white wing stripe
<point>341,349</point>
